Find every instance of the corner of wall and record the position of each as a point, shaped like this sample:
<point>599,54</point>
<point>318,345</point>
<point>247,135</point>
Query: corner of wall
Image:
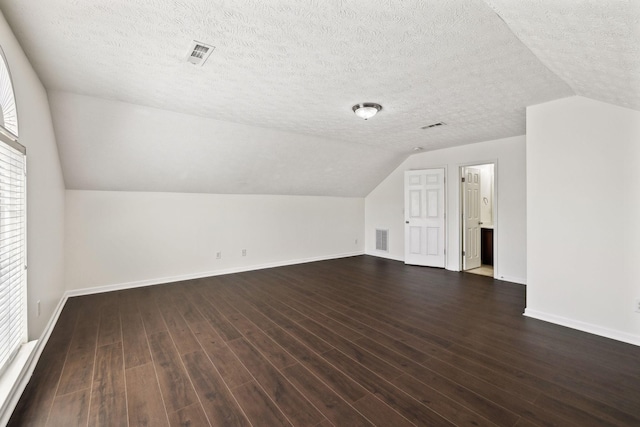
<point>582,263</point>
<point>45,186</point>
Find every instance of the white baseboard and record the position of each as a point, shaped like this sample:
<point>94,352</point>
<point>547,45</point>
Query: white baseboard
<point>384,255</point>
<point>584,326</point>
<point>162,280</point>
<point>29,365</point>
<point>512,279</point>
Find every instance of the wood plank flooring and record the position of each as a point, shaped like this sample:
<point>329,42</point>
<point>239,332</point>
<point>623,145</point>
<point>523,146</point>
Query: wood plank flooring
<point>351,342</point>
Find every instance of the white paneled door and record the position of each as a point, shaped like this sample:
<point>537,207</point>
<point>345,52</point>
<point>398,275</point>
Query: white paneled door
<point>471,214</point>
<point>424,216</point>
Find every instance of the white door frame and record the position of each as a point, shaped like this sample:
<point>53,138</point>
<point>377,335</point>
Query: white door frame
<point>460,221</point>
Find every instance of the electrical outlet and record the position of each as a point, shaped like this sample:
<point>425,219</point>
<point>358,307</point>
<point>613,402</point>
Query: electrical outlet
<point>637,305</point>
<point>218,255</point>
<point>244,252</point>
<point>38,307</point>
<point>356,241</point>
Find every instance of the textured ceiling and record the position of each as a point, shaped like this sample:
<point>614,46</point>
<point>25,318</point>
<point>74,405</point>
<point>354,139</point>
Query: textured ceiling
<point>298,67</point>
<point>593,45</point>
<point>111,145</point>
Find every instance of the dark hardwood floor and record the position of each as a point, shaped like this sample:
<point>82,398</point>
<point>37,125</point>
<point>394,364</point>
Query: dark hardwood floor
<point>349,342</point>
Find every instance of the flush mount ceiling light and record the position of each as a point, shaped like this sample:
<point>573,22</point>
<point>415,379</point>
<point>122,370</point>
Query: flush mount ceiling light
<point>366,110</point>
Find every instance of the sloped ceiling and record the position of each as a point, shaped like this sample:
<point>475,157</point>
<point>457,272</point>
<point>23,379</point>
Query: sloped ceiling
<point>111,145</point>
<point>277,92</point>
<point>593,45</point>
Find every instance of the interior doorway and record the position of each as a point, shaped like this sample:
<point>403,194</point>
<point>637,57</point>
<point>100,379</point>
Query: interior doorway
<point>478,218</point>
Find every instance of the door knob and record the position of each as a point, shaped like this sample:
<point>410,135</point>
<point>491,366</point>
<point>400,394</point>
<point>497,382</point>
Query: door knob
<point>406,222</point>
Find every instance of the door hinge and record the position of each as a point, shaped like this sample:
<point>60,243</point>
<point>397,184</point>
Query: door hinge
<point>464,253</point>
<point>463,179</point>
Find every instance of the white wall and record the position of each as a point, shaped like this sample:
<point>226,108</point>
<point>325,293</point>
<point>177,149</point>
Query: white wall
<point>583,162</point>
<point>384,205</point>
<point>45,186</point>
<point>115,238</point>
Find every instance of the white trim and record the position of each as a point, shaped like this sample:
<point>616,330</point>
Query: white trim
<point>518,280</point>
<point>385,255</point>
<point>29,365</point>
<point>162,280</point>
<point>584,326</point>
<point>12,379</point>
<point>8,138</point>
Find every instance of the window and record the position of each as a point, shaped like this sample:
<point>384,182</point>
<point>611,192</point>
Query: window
<point>13,321</point>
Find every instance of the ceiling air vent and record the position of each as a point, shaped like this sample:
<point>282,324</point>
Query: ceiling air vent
<point>199,52</point>
<point>433,125</point>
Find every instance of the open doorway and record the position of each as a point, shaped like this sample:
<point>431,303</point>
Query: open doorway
<point>478,219</point>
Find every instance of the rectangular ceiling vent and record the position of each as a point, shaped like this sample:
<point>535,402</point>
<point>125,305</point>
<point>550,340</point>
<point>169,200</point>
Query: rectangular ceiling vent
<point>199,52</point>
<point>433,125</point>
<point>382,240</point>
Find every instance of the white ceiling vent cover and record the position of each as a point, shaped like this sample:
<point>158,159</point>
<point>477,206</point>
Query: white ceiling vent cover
<point>433,125</point>
<point>382,240</point>
<point>199,52</point>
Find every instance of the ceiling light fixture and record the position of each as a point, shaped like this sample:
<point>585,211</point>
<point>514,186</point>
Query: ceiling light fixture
<point>366,110</point>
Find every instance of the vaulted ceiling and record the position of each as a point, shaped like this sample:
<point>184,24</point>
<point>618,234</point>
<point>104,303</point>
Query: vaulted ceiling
<point>270,111</point>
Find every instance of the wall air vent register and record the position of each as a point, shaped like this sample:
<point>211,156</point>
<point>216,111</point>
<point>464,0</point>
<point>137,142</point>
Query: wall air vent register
<point>382,240</point>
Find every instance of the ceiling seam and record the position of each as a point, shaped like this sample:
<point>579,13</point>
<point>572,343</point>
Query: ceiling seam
<point>529,49</point>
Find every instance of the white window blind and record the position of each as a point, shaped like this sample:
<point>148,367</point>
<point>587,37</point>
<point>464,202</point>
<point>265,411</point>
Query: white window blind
<point>13,331</point>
